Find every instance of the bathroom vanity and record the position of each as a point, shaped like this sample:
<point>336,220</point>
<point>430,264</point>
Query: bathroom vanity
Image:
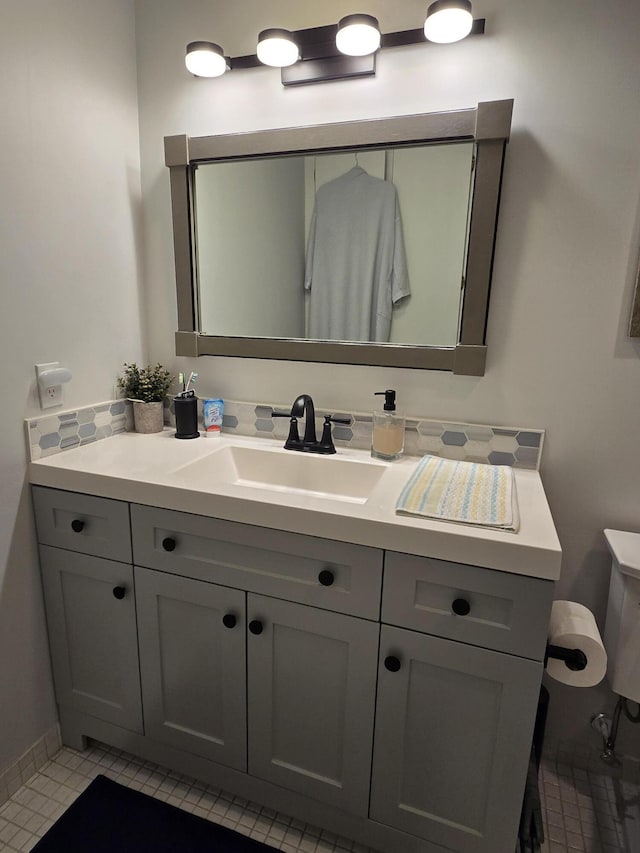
<point>297,642</point>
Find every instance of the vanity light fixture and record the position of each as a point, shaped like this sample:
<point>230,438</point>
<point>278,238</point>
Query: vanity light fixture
<point>358,35</point>
<point>336,51</point>
<point>448,21</point>
<point>277,48</point>
<point>205,59</point>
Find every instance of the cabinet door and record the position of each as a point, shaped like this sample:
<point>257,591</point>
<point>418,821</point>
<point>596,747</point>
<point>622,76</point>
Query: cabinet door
<point>453,735</point>
<point>311,697</point>
<point>92,634</point>
<point>193,665</point>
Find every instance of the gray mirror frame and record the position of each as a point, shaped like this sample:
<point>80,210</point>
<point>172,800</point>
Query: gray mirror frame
<point>489,125</point>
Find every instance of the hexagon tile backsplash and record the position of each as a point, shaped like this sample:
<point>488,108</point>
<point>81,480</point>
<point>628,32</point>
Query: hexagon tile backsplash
<point>49,434</point>
<point>514,446</point>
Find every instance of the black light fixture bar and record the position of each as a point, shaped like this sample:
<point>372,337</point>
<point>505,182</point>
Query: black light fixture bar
<point>249,61</point>
<point>317,42</point>
<point>417,36</point>
<point>337,67</point>
<point>322,62</point>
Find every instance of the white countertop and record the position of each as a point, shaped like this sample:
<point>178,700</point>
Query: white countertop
<point>138,468</point>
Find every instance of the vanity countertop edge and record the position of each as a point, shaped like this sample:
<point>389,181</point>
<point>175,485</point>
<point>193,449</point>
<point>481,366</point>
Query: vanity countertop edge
<point>136,468</point>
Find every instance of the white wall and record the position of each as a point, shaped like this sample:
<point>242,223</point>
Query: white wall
<point>69,269</point>
<point>567,244</point>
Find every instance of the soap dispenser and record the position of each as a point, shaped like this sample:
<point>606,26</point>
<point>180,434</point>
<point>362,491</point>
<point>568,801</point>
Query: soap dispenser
<point>387,438</point>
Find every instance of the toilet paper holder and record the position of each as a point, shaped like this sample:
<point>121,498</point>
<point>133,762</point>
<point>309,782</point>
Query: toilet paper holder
<point>575,659</point>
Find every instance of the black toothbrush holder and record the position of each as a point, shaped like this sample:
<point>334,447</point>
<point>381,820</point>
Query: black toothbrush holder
<point>186,409</point>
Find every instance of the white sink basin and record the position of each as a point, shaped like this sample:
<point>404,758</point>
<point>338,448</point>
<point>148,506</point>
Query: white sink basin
<point>285,471</point>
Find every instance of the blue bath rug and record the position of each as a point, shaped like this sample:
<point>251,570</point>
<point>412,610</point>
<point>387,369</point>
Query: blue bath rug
<point>107,817</point>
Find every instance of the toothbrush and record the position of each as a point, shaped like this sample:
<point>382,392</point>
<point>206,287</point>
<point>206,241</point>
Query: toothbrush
<point>192,378</point>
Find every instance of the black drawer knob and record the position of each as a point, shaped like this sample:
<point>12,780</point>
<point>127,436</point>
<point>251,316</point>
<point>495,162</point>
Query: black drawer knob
<point>461,607</point>
<point>119,592</point>
<point>326,577</point>
<point>392,663</point>
<point>255,626</point>
<point>229,620</point>
<point>77,525</point>
<point>169,544</point>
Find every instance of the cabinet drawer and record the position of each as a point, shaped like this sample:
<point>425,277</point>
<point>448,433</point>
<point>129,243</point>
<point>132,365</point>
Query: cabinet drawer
<point>496,610</point>
<point>83,523</point>
<point>332,575</point>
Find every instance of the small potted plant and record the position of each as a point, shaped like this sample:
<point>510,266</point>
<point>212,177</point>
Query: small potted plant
<point>146,387</point>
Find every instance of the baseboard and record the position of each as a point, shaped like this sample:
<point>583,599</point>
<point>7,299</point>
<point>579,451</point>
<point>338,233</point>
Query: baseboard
<point>31,761</point>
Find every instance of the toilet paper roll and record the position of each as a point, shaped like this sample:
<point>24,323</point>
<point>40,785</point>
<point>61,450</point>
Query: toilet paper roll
<point>573,626</point>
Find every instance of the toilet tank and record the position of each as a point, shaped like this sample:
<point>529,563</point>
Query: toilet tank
<point>622,628</point>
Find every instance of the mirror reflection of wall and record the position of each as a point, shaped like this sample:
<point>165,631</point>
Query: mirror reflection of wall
<point>250,245</point>
<point>253,222</point>
<point>434,188</point>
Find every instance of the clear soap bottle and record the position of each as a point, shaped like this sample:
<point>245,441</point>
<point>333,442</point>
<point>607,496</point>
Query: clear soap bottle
<point>387,437</point>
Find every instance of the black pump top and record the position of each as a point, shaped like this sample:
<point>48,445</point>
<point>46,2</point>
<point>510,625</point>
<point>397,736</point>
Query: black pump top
<point>389,399</point>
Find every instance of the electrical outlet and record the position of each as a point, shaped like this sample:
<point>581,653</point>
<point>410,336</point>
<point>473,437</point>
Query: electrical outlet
<point>52,395</point>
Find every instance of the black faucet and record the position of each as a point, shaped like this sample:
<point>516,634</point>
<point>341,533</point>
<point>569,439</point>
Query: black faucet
<point>303,407</point>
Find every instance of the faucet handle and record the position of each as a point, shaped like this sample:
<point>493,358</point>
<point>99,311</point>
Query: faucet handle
<point>293,439</point>
<point>326,442</point>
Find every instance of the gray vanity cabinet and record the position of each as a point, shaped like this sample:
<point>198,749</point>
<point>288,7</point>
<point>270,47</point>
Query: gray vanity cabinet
<point>387,697</point>
<point>193,665</point>
<point>312,682</point>
<point>452,740</point>
<point>92,635</point>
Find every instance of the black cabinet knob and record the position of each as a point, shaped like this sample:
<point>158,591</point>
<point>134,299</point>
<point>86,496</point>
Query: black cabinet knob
<point>461,607</point>
<point>392,663</point>
<point>229,620</point>
<point>255,626</point>
<point>169,544</point>
<point>119,592</point>
<point>77,525</point>
<point>326,577</point>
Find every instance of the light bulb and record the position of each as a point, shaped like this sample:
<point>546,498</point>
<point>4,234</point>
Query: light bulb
<point>358,35</point>
<point>277,48</point>
<point>448,21</point>
<point>205,59</point>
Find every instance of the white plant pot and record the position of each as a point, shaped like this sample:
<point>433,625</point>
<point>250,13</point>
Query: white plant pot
<point>148,417</point>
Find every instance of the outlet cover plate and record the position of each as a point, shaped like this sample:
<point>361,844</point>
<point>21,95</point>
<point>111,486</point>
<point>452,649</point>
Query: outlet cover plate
<point>52,396</point>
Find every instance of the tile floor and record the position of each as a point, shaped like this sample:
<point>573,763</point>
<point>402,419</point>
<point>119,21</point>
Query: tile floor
<point>587,806</point>
<point>29,813</point>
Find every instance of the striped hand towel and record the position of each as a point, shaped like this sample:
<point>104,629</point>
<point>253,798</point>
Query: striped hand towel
<point>466,492</point>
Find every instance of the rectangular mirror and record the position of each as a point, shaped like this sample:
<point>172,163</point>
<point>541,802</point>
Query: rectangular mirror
<point>368,242</point>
